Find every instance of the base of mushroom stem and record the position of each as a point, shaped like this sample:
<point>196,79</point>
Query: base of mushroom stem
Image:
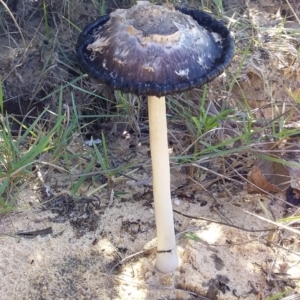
<point>167,261</point>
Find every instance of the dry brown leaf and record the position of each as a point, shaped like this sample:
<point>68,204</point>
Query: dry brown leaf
<point>269,175</point>
<point>259,180</point>
<point>275,173</point>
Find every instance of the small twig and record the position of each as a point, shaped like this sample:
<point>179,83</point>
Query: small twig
<point>130,257</point>
<point>222,223</point>
<point>291,8</point>
<point>15,21</point>
<point>217,174</point>
<point>274,223</point>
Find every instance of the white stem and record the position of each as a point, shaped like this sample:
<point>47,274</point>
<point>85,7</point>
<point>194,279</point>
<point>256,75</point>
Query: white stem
<point>167,258</point>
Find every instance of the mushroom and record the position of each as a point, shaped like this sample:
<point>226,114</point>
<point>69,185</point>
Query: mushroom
<point>156,51</point>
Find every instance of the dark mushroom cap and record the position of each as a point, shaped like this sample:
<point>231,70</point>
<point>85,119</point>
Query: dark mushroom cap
<point>154,50</point>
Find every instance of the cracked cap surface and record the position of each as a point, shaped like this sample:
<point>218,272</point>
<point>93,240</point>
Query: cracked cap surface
<point>155,50</point>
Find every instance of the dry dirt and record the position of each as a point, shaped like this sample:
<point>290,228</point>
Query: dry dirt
<point>102,245</point>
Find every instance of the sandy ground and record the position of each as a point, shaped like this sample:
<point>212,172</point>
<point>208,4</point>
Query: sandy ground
<point>218,262</point>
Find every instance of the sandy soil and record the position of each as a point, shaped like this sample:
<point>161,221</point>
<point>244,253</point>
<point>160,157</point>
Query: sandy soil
<point>103,246</point>
<point>79,261</point>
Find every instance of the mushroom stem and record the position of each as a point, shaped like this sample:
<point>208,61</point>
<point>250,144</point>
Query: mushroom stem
<point>167,258</point>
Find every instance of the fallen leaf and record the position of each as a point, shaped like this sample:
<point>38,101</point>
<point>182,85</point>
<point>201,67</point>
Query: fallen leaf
<point>275,173</point>
<point>269,174</point>
<point>259,180</point>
